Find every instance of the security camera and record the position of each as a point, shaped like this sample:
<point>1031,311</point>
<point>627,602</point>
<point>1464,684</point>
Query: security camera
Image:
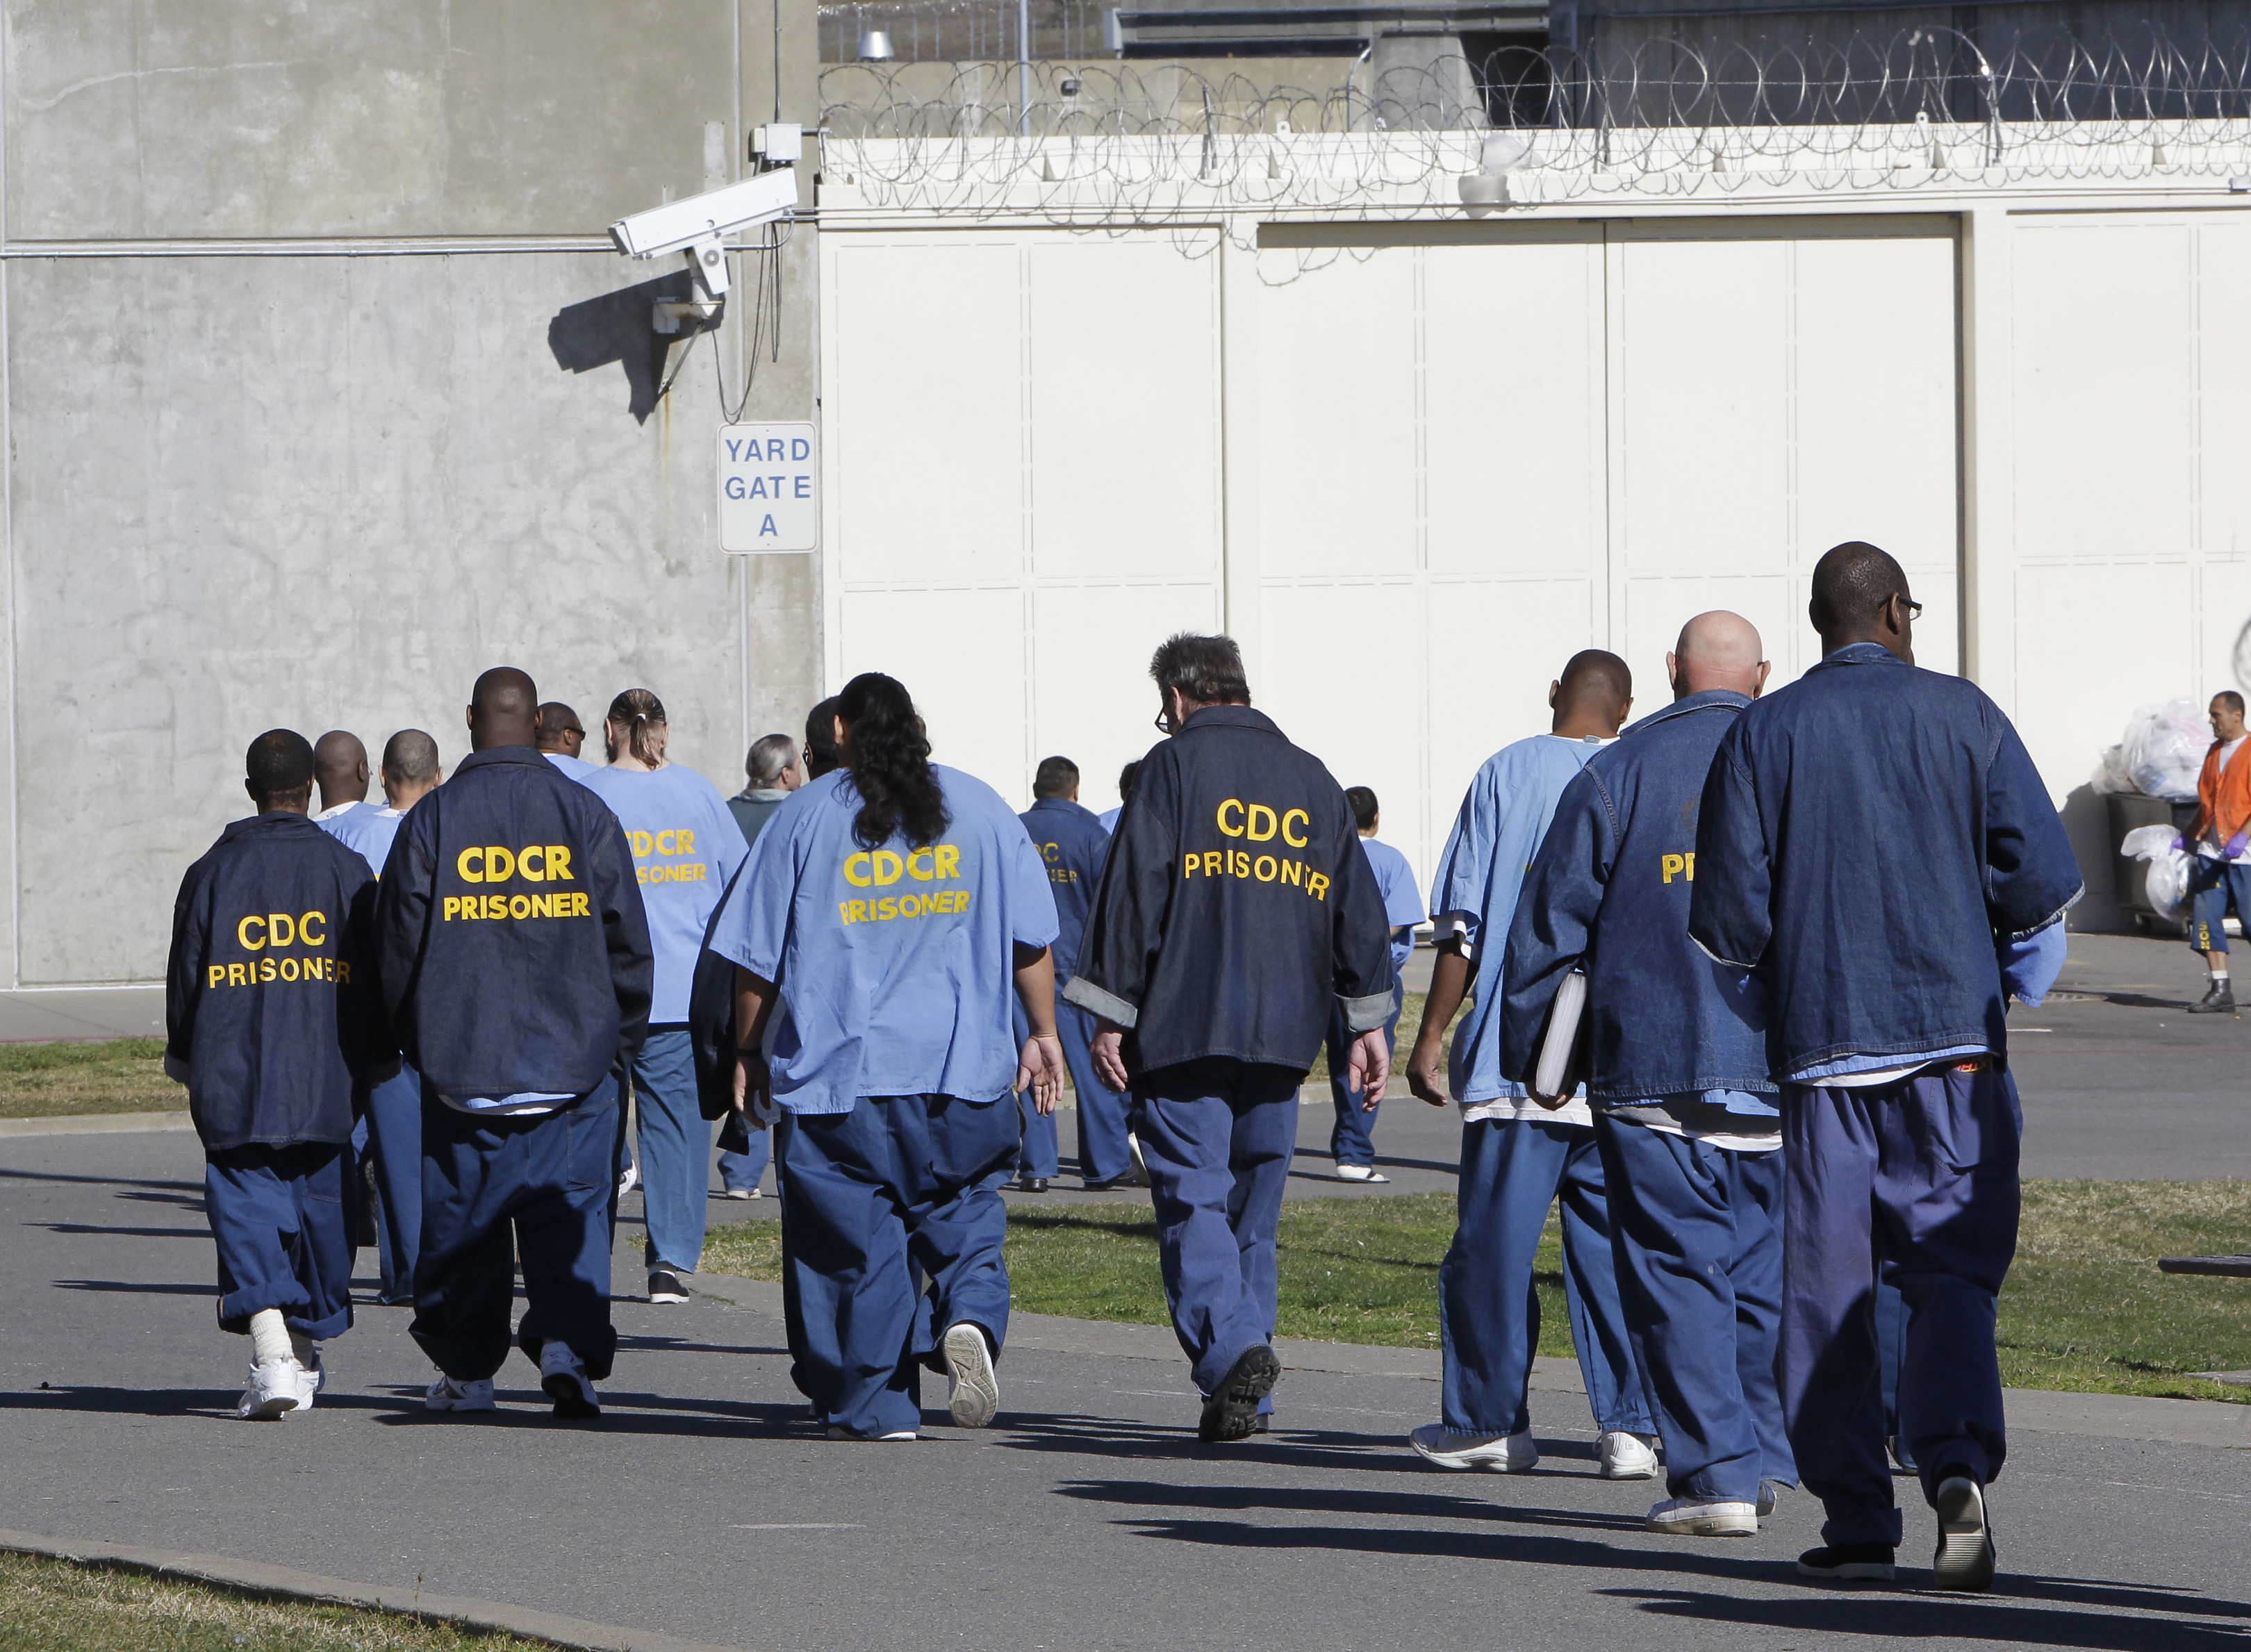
<point>696,225</point>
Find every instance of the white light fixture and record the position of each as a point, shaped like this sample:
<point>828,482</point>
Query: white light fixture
<point>875,47</point>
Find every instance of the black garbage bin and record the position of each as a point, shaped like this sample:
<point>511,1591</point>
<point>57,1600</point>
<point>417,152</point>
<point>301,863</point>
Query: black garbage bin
<point>2129,810</point>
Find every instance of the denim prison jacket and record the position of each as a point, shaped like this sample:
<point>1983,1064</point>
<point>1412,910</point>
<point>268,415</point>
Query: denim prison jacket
<point>1872,838</point>
<point>1236,909</point>
<point>1610,888</point>
<point>270,1009</point>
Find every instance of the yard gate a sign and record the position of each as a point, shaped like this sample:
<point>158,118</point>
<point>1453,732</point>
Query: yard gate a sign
<point>769,487</point>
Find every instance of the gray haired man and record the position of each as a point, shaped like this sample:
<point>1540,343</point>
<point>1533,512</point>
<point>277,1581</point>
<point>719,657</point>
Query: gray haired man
<point>771,769</point>
<point>772,773</point>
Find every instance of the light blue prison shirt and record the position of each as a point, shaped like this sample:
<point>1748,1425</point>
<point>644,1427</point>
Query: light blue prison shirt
<point>896,965</point>
<point>367,831</point>
<point>1403,902</point>
<point>685,845</point>
<point>1502,820</point>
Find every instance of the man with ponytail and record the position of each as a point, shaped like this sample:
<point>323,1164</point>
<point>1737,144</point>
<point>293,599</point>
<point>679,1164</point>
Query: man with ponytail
<point>886,918</point>
<point>1236,913</point>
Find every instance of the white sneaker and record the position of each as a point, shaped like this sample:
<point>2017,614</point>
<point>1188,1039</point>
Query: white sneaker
<point>276,1388</point>
<point>1359,1173</point>
<point>1702,1518</point>
<point>562,1378</point>
<point>1140,1165</point>
<point>1769,1493</point>
<point>741,1193</point>
<point>837,1431</point>
<point>976,1393</point>
<point>628,1180</point>
<point>447,1394</point>
<point>316,1376</point>
<point>1496,1453</point>
<point>1626,1456</point>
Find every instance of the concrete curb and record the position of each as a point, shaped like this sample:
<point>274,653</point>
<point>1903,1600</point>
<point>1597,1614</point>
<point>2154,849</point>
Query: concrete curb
<point>2181,1422</point>
<point>285,1583</point>
<point>94,1123</point>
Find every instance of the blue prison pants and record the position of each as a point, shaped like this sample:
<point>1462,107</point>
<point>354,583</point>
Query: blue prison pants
<point>1217,1134</point>
<point>2214,886</point>
<point>1697,1230</point>
<point>744,1171</point>
<point>1488,1309</point>
<point>394,1126</point>
<point>675,1149</point>
<point>499,1189</point>
<point>1352,1141</point>
<point>281,1218</point>
<point>1914,1182</point>
<point>901,1189</point>
<point>1103,1155</point>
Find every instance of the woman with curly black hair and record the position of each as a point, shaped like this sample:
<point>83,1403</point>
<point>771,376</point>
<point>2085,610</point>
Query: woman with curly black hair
<point>888,912</point>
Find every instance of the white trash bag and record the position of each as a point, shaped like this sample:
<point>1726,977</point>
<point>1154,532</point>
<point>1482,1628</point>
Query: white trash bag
<point>2110,774</point>
<point>2162,752</point>
<point>2166,882</point>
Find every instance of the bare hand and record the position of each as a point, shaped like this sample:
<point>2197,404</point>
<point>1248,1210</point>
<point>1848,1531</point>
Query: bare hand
<point>1109,1052</point>
<point>1426,1069</point>
<point>1040,1069</point>
<point>1369,1067</point>
<point>752,1078</point>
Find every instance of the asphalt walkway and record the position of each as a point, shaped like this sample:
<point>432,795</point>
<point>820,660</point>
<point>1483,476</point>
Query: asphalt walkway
<point>1087,1518</point>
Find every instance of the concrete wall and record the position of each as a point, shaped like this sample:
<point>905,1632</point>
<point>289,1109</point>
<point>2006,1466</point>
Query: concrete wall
<point>323,392</point>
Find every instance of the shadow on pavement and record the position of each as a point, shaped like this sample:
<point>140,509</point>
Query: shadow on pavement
<point>162,1402</point>
<point>2125,1626</point>
<point>196,1188</point>
<point>1402,1505</point>
<point>1951,1620</point>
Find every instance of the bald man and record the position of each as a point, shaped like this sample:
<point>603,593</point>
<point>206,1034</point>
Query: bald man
<point>392,1111</point>
<point>517,972</point>
<point>1685,1119</point>
<point>341,771</point>
<point>1519,1156</point>
<point>1875,842</point>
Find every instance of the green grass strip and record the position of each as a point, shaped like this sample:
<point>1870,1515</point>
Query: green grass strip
<point>2085,1308</point>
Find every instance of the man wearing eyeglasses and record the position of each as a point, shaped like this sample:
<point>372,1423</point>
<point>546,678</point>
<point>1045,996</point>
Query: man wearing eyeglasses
<point>1874,841</point>
<point>558,737</point>
<point>1235,909</point>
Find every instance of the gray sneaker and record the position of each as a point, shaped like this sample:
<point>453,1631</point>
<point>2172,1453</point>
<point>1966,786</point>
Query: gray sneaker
<point>975,1397</point>
<point>1964,1556</point>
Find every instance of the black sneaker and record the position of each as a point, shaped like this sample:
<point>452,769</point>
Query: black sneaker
<point>1232,1411</point>
<point>665,1286</point>
<point>2220,1000</point>
<point>1964,1556</point>
<point>1849,1562</point>
<point>1030,1185</point>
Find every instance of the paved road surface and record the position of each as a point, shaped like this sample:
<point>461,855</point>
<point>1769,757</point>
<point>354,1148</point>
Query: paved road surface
<point>1087,1519</point>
